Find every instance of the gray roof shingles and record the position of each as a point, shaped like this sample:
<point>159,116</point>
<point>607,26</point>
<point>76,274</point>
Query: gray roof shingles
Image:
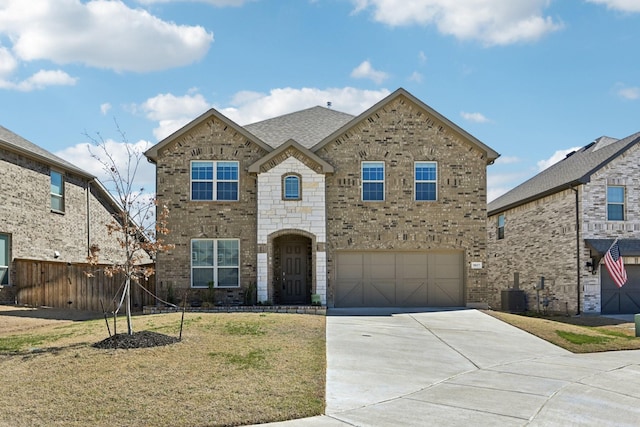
<point>575,169</point>
<point>17,143</point>
<point>306,127</point>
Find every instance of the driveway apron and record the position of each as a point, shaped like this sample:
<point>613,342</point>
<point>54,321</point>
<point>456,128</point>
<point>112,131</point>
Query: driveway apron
<point>388,367</point>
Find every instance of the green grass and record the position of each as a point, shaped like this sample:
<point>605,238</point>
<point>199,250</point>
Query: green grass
<point>18,343</point>
<point>581,339</point>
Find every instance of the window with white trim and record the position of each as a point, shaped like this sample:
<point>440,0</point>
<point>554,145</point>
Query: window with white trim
<point>426,179</point>
<point>372,181</point>
<point>615,203</point>
<point>500,226</point>
<point>215,261</point>
<point>57,191</point>
<point>214,180</point>
<point>4,259</point>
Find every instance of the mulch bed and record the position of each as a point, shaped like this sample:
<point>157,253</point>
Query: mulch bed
<point>143,339</point>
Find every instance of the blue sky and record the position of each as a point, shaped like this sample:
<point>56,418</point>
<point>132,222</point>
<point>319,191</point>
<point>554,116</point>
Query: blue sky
<point>530,78</point>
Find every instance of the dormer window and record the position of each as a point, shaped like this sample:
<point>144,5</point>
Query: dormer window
<point>291,187</point>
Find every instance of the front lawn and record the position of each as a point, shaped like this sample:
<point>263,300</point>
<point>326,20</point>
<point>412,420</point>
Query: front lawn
<point>229,369</point>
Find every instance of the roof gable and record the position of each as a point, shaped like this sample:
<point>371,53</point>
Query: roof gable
<point>575,169</point>
<point>291,149</point>
<point>490,154</point>
<point>152,153</point>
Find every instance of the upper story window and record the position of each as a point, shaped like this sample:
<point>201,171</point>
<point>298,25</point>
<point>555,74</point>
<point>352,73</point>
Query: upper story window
<point>615,203</point>
<point>426,177</point>
<point>215,261</point>
<point>501,226</point>
<point>4,259</point>
<point>214,180</point>
<point>291,187</point>
<point>372,181</point>
<point>57,191</point>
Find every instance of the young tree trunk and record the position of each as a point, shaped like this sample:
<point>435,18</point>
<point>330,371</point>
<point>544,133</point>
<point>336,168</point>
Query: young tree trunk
<point>128,307</point>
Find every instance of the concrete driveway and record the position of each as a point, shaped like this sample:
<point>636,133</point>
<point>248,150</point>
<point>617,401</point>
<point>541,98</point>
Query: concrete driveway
<point>462,367</point>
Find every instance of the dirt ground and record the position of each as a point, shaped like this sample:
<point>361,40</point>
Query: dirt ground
<point>14,319</point>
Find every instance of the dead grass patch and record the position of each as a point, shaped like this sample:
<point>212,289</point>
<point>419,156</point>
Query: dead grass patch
<point>229,369</point>
<point>581,334</point>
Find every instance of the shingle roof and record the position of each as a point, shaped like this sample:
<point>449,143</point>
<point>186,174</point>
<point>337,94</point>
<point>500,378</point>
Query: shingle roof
<point>575,169</point>
<point>15,142</point>
<point>307,127</point>
<point>628,247</point>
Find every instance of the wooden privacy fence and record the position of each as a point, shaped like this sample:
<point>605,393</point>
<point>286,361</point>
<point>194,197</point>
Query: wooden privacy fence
<point>65,285</point>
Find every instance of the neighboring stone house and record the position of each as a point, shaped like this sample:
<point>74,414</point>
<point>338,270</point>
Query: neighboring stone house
<point>50,209</point>
<point>560,223</point>
<point>384,209</point>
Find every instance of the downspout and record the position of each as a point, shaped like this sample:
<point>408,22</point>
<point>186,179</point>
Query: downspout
<point>575,190</point>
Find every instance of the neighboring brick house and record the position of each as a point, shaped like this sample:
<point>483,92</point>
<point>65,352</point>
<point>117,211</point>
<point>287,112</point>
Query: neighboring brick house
<point>384,209</point>
<point>50,209</point>
<point>560,223</point>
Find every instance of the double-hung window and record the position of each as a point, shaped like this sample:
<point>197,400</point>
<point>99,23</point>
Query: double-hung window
<point>214,180</point>
<point>372,181</point>
<point>426,178</point>
<point>4,259</point>
<point>615,203</point>
<point>215,261</point>
<point>57,191</point>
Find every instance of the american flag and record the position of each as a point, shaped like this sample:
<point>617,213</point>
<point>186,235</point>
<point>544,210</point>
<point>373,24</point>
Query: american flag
<point>615,265</point>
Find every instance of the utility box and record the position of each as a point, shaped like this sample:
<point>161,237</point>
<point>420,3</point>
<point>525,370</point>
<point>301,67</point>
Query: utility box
<point>513,301</point>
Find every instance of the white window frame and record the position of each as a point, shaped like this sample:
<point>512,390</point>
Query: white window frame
<point>424,181</point>
<point>54,195</point>
<point>624,196</point>
<point>372,181</point>
<point>7,252</point>
<point>214,181</point>
<point>215,267</point>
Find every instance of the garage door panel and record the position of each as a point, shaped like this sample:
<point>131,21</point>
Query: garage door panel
<point>380,293</point>
<point>413,294</point>
<point>350,293</point>
<point>624,300</point>
<point>445,293</point>
<point>408,279</point>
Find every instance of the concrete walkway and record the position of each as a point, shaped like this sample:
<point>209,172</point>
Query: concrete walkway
<point>462,367</point>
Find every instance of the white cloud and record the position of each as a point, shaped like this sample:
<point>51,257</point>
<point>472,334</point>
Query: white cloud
<point>366,71</point>
<point>555,158</point>
<point>217,3</point>
<point>251,107</point>
<point>507,160</point>
<point>105,108</point>
<point>99,33</point>
<point>493,22</point>
<point>415,77</point>
<point>172,112</point>
<point>8,62</point>
<point>40,80</point>
<point>631,93</point>
<point>621,5</point>
<point>422,57</point>
<point>474,117</point>
<point>80,155</point>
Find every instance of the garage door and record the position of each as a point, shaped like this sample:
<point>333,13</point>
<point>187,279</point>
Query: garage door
<point>624,300</point>
<point>399,279</point>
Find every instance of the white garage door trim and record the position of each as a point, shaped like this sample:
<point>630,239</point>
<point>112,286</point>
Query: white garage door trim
<point>399,279</point>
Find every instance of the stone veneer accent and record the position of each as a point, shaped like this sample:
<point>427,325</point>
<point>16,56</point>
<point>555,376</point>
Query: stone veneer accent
<point>307,215</point>
<point>540,239</point>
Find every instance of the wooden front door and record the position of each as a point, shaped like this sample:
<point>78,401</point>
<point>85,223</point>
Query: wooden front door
<point>294,272</point>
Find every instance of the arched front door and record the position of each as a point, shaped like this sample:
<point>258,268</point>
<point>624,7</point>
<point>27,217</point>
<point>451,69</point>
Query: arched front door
<point>295,267</point>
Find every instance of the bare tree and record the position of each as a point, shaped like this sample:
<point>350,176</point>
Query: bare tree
<point>139,237</point>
